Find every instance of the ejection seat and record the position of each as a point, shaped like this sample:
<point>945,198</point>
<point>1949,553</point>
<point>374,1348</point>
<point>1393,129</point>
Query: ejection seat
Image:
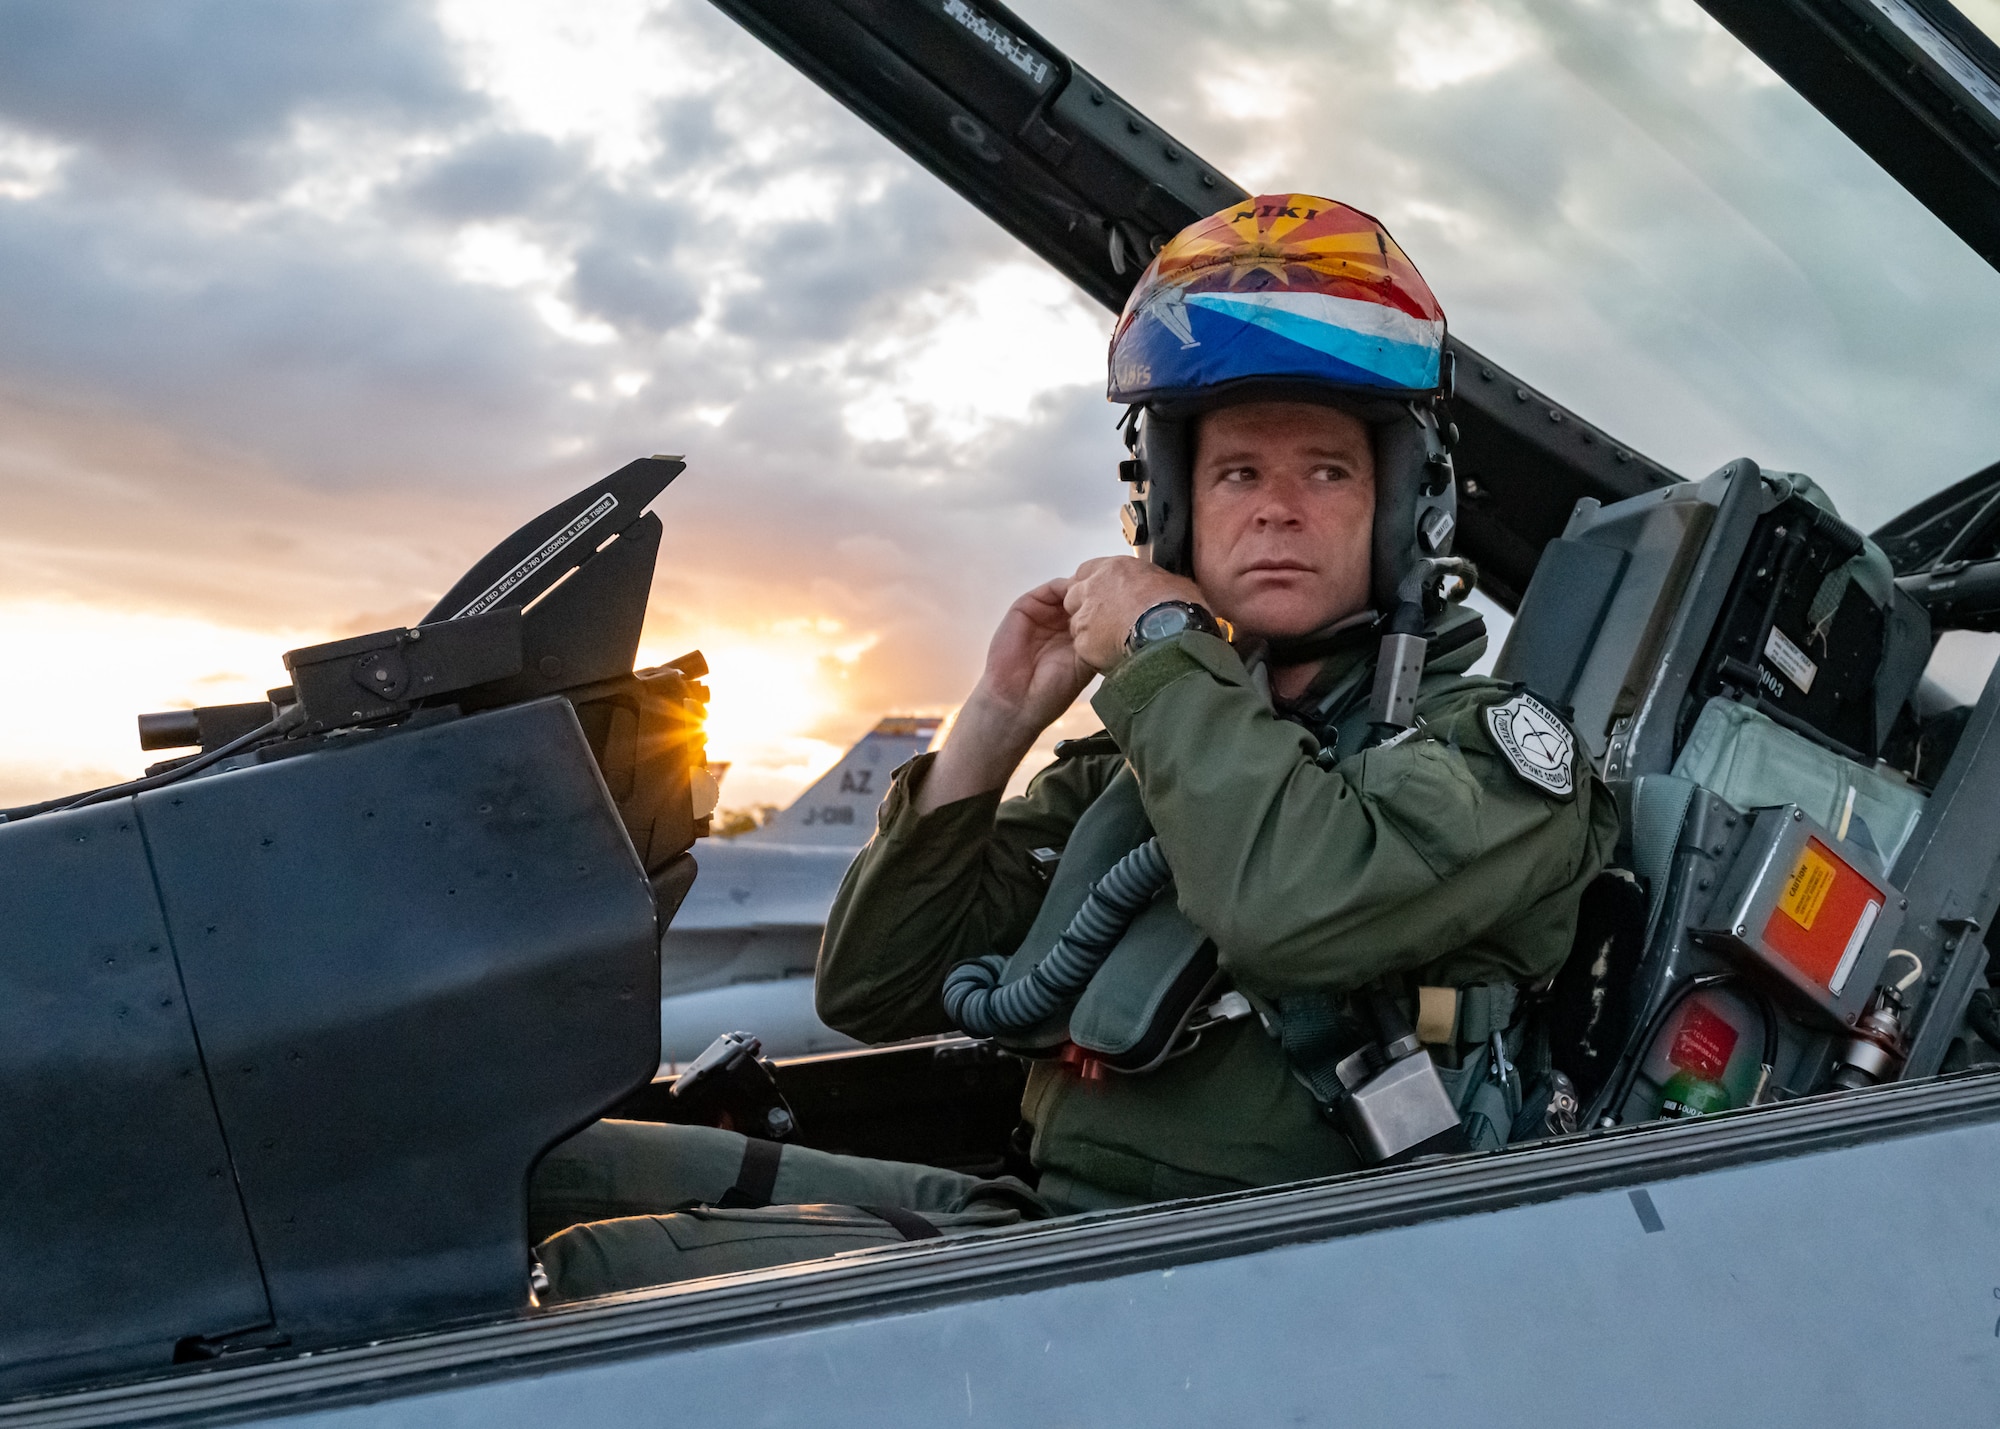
<point>1736,661</point>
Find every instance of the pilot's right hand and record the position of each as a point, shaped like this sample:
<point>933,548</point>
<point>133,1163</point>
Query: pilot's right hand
<point>1032,676</point>
<point>1033,673</point>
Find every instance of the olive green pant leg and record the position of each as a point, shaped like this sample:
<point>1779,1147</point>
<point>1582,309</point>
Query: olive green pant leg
<point>643,1168</point>
<point>1066,1195</point>
<point>639,1252</point>
<point>624,1204</point>
<point>630,1168</point>
<point>809,1177</point>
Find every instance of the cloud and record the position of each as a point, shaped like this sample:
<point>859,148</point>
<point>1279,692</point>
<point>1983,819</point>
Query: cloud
<point>1617,201</point>
<point>639,294</point>
<point>302,307</point>
<point>335,356</point>
<point>206,90</point>
<point>497,175</point>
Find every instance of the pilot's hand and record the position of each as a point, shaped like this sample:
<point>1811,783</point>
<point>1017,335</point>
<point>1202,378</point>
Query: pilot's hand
<point>1032,676</point>
<point>1032,671</point>
<point>1107,595</point>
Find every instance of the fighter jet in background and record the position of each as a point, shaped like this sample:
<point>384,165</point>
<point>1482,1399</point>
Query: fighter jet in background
<point>741,950</point>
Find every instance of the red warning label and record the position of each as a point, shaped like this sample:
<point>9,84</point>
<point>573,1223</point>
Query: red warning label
<point>1704,1043</point>
<point>1824,909</point>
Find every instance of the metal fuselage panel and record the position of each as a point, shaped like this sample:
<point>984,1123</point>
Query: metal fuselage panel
<point>762,885</point>
<point>1813,1264</point>
<point>116,1180</point>
<point>280,1044</point>
<point>414,964</point>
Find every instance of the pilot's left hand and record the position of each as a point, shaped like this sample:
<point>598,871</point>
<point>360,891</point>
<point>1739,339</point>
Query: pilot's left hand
<point>1107,595</point>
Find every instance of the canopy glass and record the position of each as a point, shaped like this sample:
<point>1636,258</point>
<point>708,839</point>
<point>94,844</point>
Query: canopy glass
<point>1618,201</point>
<point>1983,13</point>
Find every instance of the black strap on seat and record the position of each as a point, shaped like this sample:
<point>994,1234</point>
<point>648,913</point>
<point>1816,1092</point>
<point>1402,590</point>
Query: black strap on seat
<point>756,1179</point>
<point>907,1224</point>
<point>1317,1031</point>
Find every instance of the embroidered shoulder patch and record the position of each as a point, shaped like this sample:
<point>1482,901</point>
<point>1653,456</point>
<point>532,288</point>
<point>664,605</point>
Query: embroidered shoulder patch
<point>1535,743</point>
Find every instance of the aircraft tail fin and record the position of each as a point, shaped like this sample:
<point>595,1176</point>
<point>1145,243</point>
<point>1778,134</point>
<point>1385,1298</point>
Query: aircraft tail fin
<point>840,807</point>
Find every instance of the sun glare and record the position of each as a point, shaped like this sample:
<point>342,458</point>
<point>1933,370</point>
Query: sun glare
<point>769,690</point>
<point>95,669</point>
<point>776,688</point>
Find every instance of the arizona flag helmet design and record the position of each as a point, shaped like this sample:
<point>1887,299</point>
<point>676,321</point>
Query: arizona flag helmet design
<point>1284,286</point>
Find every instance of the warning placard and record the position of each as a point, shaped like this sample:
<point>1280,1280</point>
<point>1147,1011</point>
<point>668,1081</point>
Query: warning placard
<point>1806,888</point>
<point>1704,1043</point>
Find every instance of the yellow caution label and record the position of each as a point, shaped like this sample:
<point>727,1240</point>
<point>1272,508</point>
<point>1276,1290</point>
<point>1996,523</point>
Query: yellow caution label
<point>1806,889</point>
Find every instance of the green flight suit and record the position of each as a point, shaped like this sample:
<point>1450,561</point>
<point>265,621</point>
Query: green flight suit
<point>627,1204</point>
<point>1431,857</point>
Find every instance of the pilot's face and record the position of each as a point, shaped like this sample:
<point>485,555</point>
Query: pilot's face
<point>1284,503</point>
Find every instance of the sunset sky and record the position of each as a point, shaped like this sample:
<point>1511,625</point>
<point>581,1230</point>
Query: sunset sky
<point>303,306</point>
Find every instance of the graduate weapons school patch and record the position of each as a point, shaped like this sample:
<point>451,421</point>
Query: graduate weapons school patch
<point>1536,743</point>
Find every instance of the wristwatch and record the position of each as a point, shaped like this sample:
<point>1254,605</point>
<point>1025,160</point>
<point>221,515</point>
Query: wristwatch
<point>1168,619</point>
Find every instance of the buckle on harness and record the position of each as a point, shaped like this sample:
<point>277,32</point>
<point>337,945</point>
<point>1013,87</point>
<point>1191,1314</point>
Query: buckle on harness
<point>1396,1108</point>
<point>1086,1067</point>
<point>1232,1006</point>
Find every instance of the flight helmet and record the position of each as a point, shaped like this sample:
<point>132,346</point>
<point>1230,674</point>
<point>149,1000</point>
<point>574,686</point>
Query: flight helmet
<point>1291,297</point>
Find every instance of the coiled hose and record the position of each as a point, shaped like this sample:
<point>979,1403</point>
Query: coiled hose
<point>973,996</point>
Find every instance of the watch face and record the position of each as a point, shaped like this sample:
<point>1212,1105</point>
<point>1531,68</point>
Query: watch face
<point>1162,622</point>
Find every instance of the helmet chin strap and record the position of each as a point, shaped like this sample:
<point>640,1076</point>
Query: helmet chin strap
<point>1343,634</point>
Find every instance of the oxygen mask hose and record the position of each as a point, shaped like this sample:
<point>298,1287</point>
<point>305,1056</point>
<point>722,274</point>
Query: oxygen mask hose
<point>1430,586</point>
<point>977,1002</point>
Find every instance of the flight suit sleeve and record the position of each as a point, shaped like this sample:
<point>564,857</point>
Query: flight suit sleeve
<point>1315,879</point>
<point>933,890</point>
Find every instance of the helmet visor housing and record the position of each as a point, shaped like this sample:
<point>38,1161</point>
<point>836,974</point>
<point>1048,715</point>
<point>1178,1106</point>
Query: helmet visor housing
<point>1284,287</point>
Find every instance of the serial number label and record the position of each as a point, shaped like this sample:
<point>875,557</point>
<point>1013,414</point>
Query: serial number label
<point>1806,889</point>
<point>1003,42</point>
<point>1798,667</point>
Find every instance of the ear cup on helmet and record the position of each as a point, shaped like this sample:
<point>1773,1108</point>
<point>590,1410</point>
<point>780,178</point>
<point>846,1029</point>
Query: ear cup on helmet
<point>1166,451</point>
<point>1412,522</point>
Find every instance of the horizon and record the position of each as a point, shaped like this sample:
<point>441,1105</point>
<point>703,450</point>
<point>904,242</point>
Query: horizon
<point>307,307</point>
